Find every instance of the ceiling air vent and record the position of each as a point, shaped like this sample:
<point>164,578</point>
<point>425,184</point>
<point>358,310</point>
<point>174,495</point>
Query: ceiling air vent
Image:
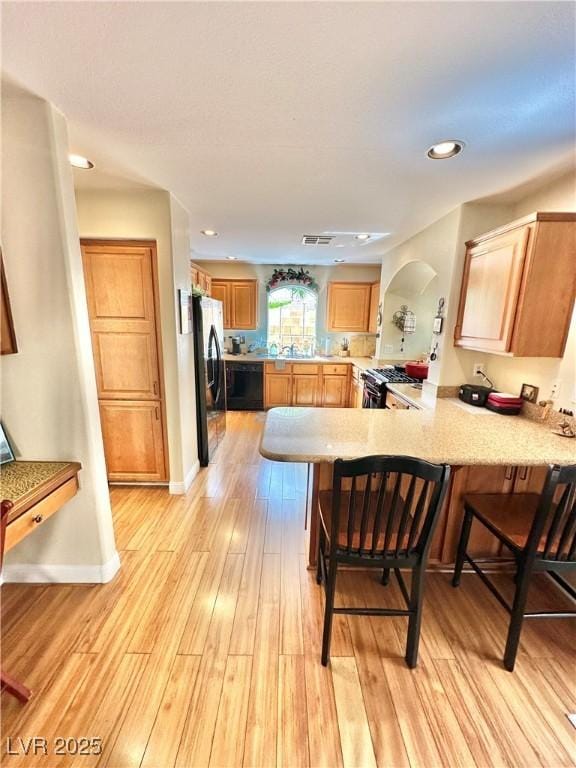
<point>317,239</point>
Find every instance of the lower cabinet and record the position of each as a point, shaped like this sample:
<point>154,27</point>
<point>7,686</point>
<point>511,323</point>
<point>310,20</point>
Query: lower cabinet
<point>306,385</point>
<point>133,440</point>
<point>305,389</point>
<point>277,390</point>
<point>334,391</point>
<point>356,389</point>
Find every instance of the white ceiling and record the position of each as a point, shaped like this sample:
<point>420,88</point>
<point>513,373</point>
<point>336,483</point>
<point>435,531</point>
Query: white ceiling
<point>273,120</point>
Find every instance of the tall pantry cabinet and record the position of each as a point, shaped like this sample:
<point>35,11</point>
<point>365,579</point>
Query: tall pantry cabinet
<point>122,295</point>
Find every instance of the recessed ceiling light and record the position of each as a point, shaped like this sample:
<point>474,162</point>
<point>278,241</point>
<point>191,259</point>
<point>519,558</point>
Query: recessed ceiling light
<point>339,261</point>
<point>80,162</point>
<point>445,149</point>
<point>363,236</point>
<point>209,232</point>
<point>232,258</point>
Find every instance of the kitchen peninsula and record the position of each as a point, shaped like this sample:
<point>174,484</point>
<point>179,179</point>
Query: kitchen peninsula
<point>490,453</point>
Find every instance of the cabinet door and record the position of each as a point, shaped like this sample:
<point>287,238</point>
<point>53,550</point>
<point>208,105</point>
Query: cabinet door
<point>244,304</point>
<point>277,390</point>
<point>490,289</point>
<point>221,292</point>
<point>396,403</point>
<point>120,294</point>
<point>334,391</point>
<point>133,440</point>
<point>349,306</point>
<point>193,276</point>
<point>374,302</point>
<point>304,389</point>
<point>530,479</point>
<point>208,280</point>
<point>359,395</point>
<point>355,400</point>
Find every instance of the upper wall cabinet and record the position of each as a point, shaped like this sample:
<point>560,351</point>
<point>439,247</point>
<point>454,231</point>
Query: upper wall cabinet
<point>349,307</point>
<point>240,300</point>
<point>200,279</point>
<point>518,288</point>
<point>374,304</point>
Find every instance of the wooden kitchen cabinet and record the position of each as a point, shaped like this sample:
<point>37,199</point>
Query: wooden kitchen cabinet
<point>200,279</point>
<point>244,304</point>
<point>307,385</point>
<point>396,403</point>
<point>518,288</point>
<point>240,300</point>
<point>356,389</point>
<point>122,296</point>
<point>305,389</point>
<point>334,391</point>
<point>348,307</point>
<point>374,304</point>
<point>133,440</point>
<point>221,292</point>
<point>277,390</point>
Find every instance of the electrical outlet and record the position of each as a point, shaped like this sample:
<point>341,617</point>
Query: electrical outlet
<point>388,349</point>
<point>555,390</point>
<point>479,368</point>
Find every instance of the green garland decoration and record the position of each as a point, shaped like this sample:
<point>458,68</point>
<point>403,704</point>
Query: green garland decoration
<point>293,276</point>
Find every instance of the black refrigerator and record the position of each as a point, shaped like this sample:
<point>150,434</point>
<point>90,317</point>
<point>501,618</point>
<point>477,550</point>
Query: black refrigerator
<point>208,329</point>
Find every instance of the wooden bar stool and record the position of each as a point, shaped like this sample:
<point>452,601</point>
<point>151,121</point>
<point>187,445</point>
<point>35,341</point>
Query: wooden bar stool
<point>7,682</point>
<point>384,520</point>
<point>539,530</point>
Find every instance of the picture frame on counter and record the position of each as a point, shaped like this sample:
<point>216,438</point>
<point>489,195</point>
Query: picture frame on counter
<point>529,393</point>
<point>6,452</point>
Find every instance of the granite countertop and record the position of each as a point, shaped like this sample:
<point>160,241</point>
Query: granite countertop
<point>360,362</point>
<point>446,432</point>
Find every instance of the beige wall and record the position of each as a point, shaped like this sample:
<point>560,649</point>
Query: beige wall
<point>365,343</point>
<point>442,245</point>
<point>436,246</point>
<point>49,401</point>
<point>180,227</point>
<point>156,215</point>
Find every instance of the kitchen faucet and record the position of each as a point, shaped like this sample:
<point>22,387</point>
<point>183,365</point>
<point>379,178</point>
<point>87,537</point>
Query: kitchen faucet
<point>291,349</point>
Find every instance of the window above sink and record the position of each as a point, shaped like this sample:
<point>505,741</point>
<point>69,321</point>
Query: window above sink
<point>292,321</point>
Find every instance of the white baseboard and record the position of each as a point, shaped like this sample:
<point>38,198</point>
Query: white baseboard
<point>36,573</point>
<point>183,487</point>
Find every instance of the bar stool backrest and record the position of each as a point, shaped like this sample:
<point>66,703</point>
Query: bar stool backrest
<point>555,517</point>
<point>391,505</point>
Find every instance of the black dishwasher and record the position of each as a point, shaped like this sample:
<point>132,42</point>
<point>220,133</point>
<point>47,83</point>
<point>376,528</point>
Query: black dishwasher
<point>244,386</point>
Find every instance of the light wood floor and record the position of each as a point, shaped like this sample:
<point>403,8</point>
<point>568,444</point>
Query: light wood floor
<point>205,648</point>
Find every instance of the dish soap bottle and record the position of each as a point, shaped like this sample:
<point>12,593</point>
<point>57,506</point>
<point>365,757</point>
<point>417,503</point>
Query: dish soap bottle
<point>274,349</point>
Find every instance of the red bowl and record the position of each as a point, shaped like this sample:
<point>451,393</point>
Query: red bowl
<point>417,370</point>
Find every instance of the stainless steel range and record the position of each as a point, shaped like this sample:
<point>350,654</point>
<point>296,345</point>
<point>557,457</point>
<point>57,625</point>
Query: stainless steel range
<point>375,381</point>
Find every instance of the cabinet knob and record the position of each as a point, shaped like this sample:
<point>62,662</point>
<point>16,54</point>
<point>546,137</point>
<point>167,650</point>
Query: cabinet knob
<point>37,519</point>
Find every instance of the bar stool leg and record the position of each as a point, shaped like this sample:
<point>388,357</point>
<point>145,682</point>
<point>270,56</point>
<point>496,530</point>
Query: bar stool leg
<point>517,616</point>
<point>329,611</point>
<point>415,620</point>
<point>462,546</point>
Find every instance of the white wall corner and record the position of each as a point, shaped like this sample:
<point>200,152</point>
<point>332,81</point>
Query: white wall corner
<point>179,488</point>
<point>47,573</point>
